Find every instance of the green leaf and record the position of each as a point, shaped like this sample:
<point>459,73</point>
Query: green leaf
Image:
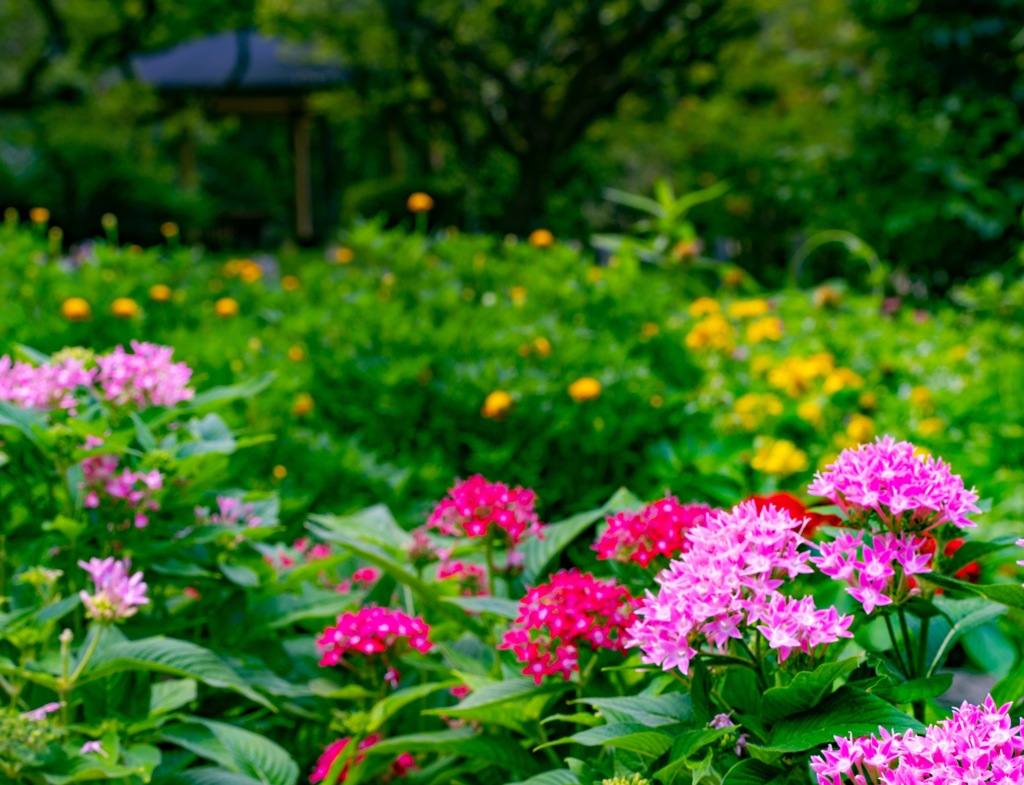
<point>215,397</point>
<point>915,689</point>
<point>384,709</point>
<point>806,691</point>
<point>751,772</point>
<point>649,710</point>
<point>240,575</point>
<point>236,749</point>
<point>556,777</point>
<point>173,657</point>
<point>211,775</point>
<point>28,421</point>
<point>972,551</point>
<point>965,615</point>
<point>69,527</point>
<point>500,751</point>
<point>497,606</point>
<point>167,696</point>
<point>845,711</point>
<point>623,735</point>
<point>558,536</point>
<point>1009,594</point>
<point>374,524</point>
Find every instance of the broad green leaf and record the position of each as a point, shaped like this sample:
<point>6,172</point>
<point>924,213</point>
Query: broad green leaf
<point>28,421</point>
<point>965,615</point>
<point>500,751</point>
<point>167,696</point>
<point>384,709</point>
<point>556,777</point>
<point>751,772</point>
<point>235,749</point>
<point>497,606</point>
<point>211,775</point>
<point>173,657</point>
<point>844,712</point>
<point>240,575</point>
<point>374,524</point>
<point>806,691</point>
<point>915,689</point>
<point>649,710</point>
<point>973,550</point>
<point>684,747</point>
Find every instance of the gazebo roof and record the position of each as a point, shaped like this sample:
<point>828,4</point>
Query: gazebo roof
<point>237,61</point>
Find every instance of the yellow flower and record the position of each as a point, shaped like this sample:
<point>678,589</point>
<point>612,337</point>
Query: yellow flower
<point>419,202</point>
<point>958,352</point>
<point>748,309</point>
<point>840,379</point>
<point>752,409</point>
<point>344,255</point>
<point>226,307</point>
<point>860,428</point>
<point>496,405</point>
<point>733,277</point>
<point>250,271</point>
<point>868,400</point>
<point>704,306</point>
<point>124,308</point>
<point>595,274</point>
<point>766,329</point>
<point>169,229</point>
<point>795,375</point>
<point>280,472</point>
<point>290,283</point>
<point>686,249</point>
<point>760,365</point>
<point>714,332</point>
<point>657,401</point>
<point>160,293</point>
<point>108,221</point>
<point>779,457</point>
<point>541,238</point>
<point>585,389</point>
<point>542,346</point>
<point>931,426</point>
<point>827,297</point>
<point>810,412</point>
<point>75,309</point>
<point>303,405</point>
<point>518,295</point>
<point>296,354</point>
<point>39,215</point>
<point>649,329</point>
<point>921,397</point>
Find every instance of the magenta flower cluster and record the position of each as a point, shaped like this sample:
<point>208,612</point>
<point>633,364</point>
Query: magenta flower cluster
<point>105,486</point>
<point>49,386</point>
<point>879,570</point>
<point>144,377</point>
<point>478,508</point>
<point>229,512</point>
<point>116,594</point>
<point>908,492</point>
<point>726,587</point>
<point>370,631</point>
<point>658,529</point>
<point>557,617</point>
<point>471,578</point>
<point>401,767</point>
<point>978,744</point>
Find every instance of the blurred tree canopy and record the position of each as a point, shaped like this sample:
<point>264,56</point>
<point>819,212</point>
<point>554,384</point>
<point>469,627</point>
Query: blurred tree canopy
<point>898,120</point>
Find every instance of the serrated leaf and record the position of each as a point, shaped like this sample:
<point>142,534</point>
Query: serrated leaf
<point>806,691</point>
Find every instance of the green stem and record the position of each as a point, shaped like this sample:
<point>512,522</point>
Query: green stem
<point>87,656</point>
<point>897,652</point>
<point>489,556</point>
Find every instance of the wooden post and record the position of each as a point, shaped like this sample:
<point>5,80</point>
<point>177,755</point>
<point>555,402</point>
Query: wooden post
<point>301,125</point>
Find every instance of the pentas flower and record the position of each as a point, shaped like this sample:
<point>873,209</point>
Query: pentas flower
<point>116,595</point>
<point>726,587</point>
<point>370,632</point>
<point>229,512</point>
<point>401,767</point>
<point>908,492</point>
<point>478,508</point>
<point>797,511</point>
<point>977,744</point>
<point>572,609</point>
<point>132,492</point>
<point>144,377</point>
<point>658,529</point>
<point>472,578</point>
<point>48,386</point>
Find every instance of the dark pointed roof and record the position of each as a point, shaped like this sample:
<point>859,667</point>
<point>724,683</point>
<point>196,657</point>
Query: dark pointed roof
<point>238,61</point>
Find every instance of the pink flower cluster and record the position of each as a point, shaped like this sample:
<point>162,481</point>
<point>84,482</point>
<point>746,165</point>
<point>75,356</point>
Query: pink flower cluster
<point>401,766</point>
<point>570,610</point>
<point>727,585</point>
<point>230,512</point>
<point>477,508</point>
<point>104,485</point>
<point>144,377</point>
<point>659,529</point>
<point>879,572</point>
<point>472,578</point>
<point>906,491</point>
<point>116,594</point>
<point>977,745</point>
<point>370,631</point>
<point>50,386</point>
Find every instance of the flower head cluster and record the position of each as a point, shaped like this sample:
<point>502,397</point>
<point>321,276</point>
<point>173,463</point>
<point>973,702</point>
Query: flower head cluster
<point>797,511</point>
<point>879,572</point>
<point>977,744</point>
<point>401,766</point>
<point>371,631</point>
<point>906,491</point>
<point>132,492</point>
<point>472,578</point>
<point>477,508</point>
<point>727,586</point>
<point>557,617</point>
<point>116,594</point>
<point>48,386</point>
<point>146,376</point>
<point>230,512</point>
<point>658,529</point>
